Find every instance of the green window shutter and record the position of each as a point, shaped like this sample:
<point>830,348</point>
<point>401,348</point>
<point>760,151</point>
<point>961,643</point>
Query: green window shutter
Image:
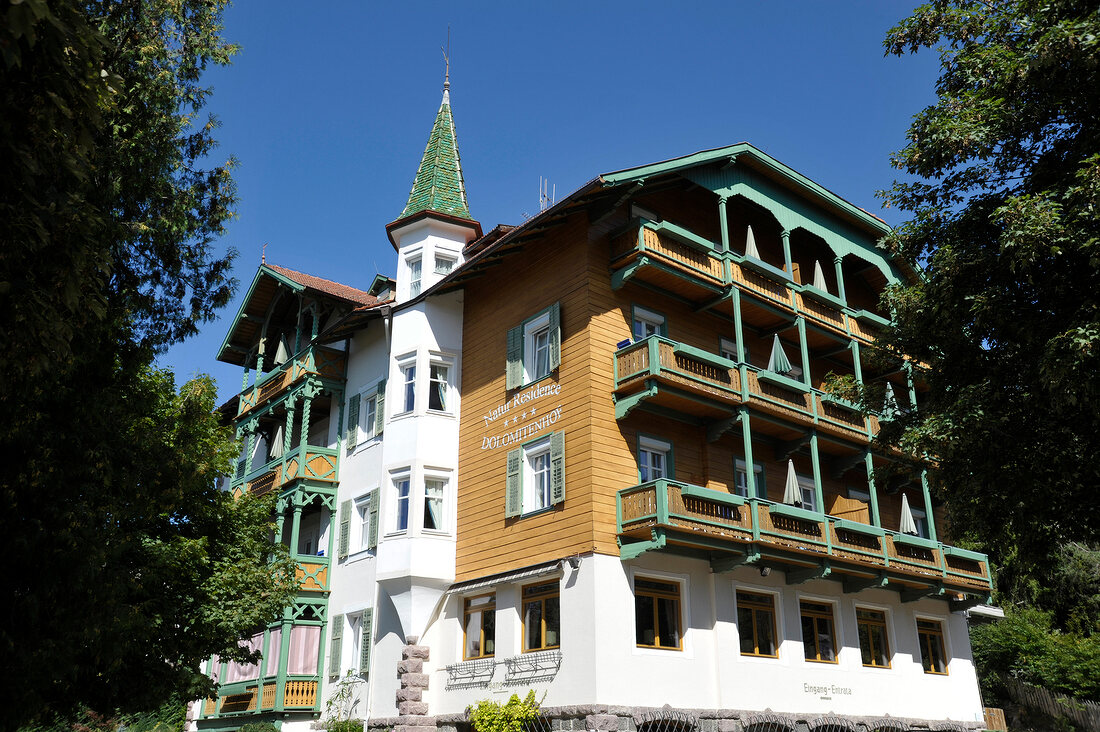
<point>372,530</point>
<point>380,408</point>
<point>345,529</point>
<point>555,336</point>
<point>351,436</point>
<point>557,467</point>
<point>514,375</point>
<point>513,503</point>
<point>336,645</point>
<point>367,636</point>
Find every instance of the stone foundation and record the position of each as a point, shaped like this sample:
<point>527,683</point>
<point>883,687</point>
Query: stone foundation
<point>602,718</point>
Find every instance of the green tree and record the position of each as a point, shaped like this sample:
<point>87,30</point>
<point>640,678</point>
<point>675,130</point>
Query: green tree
<point>126,566</point>
<point>1004,190</point>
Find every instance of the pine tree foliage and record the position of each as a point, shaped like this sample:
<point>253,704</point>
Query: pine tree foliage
<point>1003,186</point>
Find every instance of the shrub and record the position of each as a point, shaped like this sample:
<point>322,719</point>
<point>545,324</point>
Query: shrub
<point>490,716</point>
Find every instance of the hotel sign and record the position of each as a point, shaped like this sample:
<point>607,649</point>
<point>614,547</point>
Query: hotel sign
<point>519,418</point>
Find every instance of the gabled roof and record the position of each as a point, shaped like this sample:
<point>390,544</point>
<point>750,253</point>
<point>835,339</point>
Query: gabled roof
<point>438,185</point>
<point>270,280</point>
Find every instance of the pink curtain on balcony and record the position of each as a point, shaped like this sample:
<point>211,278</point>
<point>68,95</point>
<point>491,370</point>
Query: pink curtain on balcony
<point>305,642</point>
<point>274,646</point>
<point>245,671</point>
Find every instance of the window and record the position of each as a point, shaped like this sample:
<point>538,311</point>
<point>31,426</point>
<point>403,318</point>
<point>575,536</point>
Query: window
<point>444,264</point>
<point>858,494</point>
<point>535,475</point>
<point>920,518</point>
<point>932,656</point>
<point>647,323</point>
<point>370,416</point>
<point>809,493</point>
<point>654,459</point>
<point>364,513</point>
<point>657,614</point>
<point>479,627</point>
<point>408,380</point>
<point>818,633</point>
<point>438,386</point>
<point>534,348</point>
<point>401,508</point>
<point>728,349</point>
<point>414,276</point>
<point>433,503</point>
<point>873,643</point>
<point>741,479</point>
<point>541,617</point>
<point>361,635</point>
<point>756,624</point>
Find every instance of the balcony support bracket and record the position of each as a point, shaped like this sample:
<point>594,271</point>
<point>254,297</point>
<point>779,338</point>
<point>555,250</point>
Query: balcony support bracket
<point>716,429</point>
<point>840,466</point>
<point>722,564</point>
<point>798,576</point>
<point>625,405</point>
<point>784,450</point>
<point>854,584</point>
<point>621,276</point>
<point>912,595</point>
<point>969,601</point>
<point>638,548</point>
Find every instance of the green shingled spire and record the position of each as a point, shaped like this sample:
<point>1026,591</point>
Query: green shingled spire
<point>438,186</point>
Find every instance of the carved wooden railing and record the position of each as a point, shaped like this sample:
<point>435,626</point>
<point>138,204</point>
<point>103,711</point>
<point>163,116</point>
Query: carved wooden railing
<point>692,511</point>
<point>300,693</point>
<point>327,363</point>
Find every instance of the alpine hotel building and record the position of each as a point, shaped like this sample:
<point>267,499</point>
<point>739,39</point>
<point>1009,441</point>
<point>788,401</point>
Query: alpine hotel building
<point>592,456</point>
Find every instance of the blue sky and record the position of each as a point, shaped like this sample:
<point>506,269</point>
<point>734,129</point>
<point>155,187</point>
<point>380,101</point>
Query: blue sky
<point>328,107</point>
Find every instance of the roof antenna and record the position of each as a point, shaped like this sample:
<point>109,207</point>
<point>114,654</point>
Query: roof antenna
<point>546,197</point>
<point>447,60</point>
<point>263,254</point>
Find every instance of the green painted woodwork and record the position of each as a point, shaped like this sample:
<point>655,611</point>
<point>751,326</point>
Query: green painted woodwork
<point>768,270</point>
<point>917,541</point>
<point>870,317</point>
<point>636,549</point>
<point>859,584</point>
<point>351,433</point>
<point>858,527</point>
<point>912,595</point>
<point>795,512</point>
<point>929,517</point>
<point>625,405</point>
<point>513,500</point>
<point>680,234</point>
<point>557,467</point>
<point>954,551</point>
<point>439,186</point>
<point>870,463</point>
<point>822,296</point>
<point>784,381</point>
<point>838,263</point>
<point>366,635</point>
<point>336,642</point>
<point>345,529</point>
<point>720,565</point>
<point>704,356</point>
<point>380,407</point>
<point>728,499</point>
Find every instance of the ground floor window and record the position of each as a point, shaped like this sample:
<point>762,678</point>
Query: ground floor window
<point>657,613</point>
<point>541,617</point>
<point>756,624</point>
<point>873,643</point>
<point>479,625</point>
<point>932,656</point>
<point>818,633</point>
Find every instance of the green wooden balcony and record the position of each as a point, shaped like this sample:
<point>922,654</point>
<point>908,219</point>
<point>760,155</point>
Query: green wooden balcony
<point>665,374</point>
<point>667,515</point>
<point>327,363</point>
<point>311,463</point>
<point>299,693</point>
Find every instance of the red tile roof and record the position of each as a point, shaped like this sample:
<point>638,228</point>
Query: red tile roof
<point>328,287</point>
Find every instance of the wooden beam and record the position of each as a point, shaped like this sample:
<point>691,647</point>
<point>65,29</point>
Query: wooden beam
<point>626,405</point>
<point>621,276</point>
<point>638,548</point>
<point>716,429</point>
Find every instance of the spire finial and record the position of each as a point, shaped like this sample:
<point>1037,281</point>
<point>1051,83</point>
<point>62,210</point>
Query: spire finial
<point>263,254</point>
<point>447,60</point>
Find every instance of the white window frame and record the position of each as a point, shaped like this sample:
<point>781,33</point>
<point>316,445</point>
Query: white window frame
<point>531,500</point>
<point>362,512</point>
<point>727,348</point>
<point>450,259</point>
<point>534,328</point>
<point>648,320</point>
<point>396,479</point>
<point>806,483</point>
<point>415,264</point>
<point>740,467</point>
<point>450,393</point>
<point>406,367</point>
<point>444,480</point>
<point>649,448</point>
